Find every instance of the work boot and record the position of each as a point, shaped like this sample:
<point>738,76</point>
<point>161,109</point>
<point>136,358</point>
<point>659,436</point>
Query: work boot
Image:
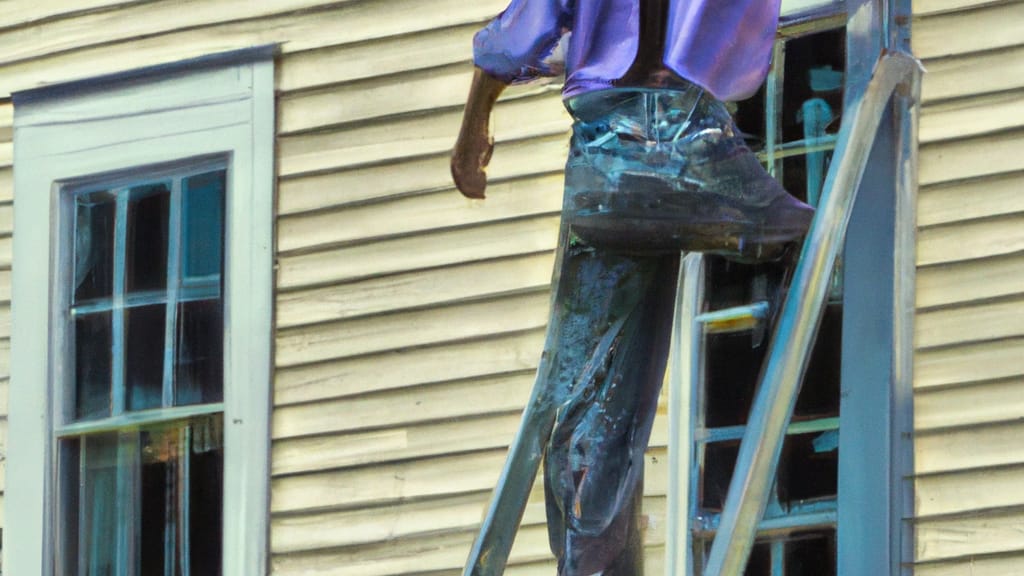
<point>654,171</point>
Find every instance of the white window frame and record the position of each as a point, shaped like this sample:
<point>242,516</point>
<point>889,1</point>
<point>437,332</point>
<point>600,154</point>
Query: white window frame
<point>221,105</point>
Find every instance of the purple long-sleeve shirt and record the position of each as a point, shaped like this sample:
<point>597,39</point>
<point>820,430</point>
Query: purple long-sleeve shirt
<point>724,46</point>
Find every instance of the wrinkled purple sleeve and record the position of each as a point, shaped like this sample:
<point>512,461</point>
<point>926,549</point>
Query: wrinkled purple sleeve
<point>521,43</point>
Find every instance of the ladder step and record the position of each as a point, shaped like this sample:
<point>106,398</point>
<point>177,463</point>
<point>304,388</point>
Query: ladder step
<point>736,319</point>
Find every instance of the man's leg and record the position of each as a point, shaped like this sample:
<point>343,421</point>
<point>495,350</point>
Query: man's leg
<point>614,316</point>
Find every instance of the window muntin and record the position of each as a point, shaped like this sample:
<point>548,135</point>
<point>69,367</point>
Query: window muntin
<point>141,446</point>
<point>791,123</point>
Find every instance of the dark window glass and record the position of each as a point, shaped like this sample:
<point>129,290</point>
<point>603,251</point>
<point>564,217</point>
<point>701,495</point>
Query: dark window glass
<point>159,500</point>
<point>811,554</point>
<point>809,467</point>
<point>69,486</point>
<point>92,365</point>
<point>760,562</point>
<point>200,362</point>
<point>749,116</point>
<point>733,364</point>
<point>94,246</point>
<point>819,396</point>
<point>207,486</point>
<point>814,69</point>
<point>144,355</point>
<point>146,242</point>
<point>181,491</point>
<point>203,224</point>
<point>719,461</point>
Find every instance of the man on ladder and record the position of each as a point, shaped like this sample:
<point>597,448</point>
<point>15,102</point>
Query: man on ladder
<point>656,167</point>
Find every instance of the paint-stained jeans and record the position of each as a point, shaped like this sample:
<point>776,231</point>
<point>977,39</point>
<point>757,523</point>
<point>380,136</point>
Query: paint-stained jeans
<point>666,170</point>
<point>650,173</point>
<point>608,344</point>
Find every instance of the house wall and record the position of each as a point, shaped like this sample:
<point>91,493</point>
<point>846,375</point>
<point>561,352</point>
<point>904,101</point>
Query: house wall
<point>409,320</point>
<point>969,366</point>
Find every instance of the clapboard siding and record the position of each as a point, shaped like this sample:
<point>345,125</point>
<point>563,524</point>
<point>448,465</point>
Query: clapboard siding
<point>470,281</point>
<point>971,157</point>
<point>988,27</point>
<point>971,240</point>
<point>960,538</point>
<point>964,75</point>
<point>957,201</point>
<point>394,369</point>
<point>322,342</point>
<point>998,565</point>
<point>407,136</point>
<point>971,323</point>
<point>962,405</point>
<point>405,407</point>
<point>969,363</point>
<point>417,213</point>
<point>429,250</point>
<point>969,332</point>
<point>969,491</point>
<point>418,174</point>
<point>972,116</point>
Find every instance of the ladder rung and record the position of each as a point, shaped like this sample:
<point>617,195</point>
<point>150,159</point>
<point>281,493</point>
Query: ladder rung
<point>734,319</point>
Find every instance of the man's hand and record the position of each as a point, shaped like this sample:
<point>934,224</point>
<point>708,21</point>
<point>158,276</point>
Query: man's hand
<point>474,146</point>
<point>470,158</point>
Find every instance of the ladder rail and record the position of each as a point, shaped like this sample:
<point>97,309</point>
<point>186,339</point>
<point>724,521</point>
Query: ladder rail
<point>799,320</point>
<point>684,369</point>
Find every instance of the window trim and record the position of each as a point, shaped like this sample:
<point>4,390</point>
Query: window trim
<point>219,105</point>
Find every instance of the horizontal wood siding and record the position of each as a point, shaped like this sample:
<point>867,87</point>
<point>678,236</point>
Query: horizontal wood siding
<point>409,320</point>
<point>969,362</point>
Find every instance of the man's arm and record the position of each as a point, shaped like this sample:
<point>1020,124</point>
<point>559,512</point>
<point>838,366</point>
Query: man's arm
<point>473,148</point>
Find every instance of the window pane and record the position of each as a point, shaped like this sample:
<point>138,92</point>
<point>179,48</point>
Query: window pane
<point>733,364</point>
<point>203,232</point>
<point>94,246</point>
<point>809,467</point>
<point>200,358</point>
<point>68,487</point>
<point>811,554</point>
<point>207,487</point>
<point>144,356</point>
<point>814,69</point>
<point>760,561</point>
<point>182,488</point>
<point>146,242</point>
<point>92,365</point>
<point>99,506</point>
<point>158,500</point>
<point>819,396</point>
<point>719,461</point>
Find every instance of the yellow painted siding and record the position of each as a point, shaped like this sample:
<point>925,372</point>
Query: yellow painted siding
<point>409,320</point>
<point>969,362</point>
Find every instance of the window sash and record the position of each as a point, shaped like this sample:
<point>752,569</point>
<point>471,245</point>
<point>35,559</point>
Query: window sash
<point>176,288</point>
